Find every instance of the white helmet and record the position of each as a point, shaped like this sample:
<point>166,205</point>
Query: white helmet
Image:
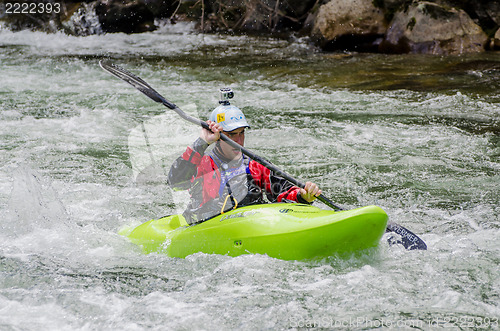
<point>229,117</point>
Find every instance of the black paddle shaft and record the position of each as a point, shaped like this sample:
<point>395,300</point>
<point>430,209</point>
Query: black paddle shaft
<point>408,239</point>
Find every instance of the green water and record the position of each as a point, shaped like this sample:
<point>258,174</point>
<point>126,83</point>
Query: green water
<point>415,135</point>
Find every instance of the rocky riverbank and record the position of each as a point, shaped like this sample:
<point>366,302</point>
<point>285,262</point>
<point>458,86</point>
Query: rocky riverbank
<point>388,26</point>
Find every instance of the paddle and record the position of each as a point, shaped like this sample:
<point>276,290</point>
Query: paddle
<point>408,239</point>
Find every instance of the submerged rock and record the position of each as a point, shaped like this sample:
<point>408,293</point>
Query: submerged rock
<point>429,28</point>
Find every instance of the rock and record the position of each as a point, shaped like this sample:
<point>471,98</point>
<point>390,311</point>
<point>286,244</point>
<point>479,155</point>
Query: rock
<point>349,25</point>
<point>429,28</point>
<point>486,13</point>
<point>124,16</point>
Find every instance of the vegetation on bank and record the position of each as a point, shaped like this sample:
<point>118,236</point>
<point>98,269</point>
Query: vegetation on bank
<point>388,26</point>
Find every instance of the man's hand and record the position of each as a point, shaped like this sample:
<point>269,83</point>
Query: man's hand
<point>310,192</point>
<point>213,135</point>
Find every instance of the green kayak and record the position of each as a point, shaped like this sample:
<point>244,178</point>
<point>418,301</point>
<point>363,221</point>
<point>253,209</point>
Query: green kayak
<point>281,230</point>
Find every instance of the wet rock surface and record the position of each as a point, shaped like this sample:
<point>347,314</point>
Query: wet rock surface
<point>429,28</point>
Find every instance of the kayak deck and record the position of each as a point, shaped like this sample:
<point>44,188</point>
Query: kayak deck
<point>285,231</point>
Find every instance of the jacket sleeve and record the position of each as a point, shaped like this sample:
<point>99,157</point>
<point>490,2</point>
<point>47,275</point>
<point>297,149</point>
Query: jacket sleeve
<point>277,188</point>
<point>185,167</point>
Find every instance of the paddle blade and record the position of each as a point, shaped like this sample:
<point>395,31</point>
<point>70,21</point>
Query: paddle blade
<point>407,238</point>
<point>135,81</point>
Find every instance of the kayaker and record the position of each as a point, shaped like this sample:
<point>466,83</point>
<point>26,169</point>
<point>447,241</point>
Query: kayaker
<point>224,178</point>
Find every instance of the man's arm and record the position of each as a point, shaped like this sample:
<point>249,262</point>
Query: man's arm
<point>185,167</point>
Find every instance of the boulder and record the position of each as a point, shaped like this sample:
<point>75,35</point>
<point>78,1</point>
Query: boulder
<point>486,13</point>
<point>429,28</point>
<point>349,25</point>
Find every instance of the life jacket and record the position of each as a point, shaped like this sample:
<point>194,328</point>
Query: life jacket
<point>223,186</point>
<point>216,186</point>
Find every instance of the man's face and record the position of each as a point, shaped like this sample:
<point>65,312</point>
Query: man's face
<point>238,136</point>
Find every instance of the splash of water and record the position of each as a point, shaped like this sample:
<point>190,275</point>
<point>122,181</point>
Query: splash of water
<point>33,204</point>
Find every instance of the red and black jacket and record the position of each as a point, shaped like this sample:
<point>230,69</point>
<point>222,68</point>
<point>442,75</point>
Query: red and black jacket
<point>216,185</point>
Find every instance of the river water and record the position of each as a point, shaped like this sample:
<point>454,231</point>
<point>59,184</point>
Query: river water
<point>82,155</point>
